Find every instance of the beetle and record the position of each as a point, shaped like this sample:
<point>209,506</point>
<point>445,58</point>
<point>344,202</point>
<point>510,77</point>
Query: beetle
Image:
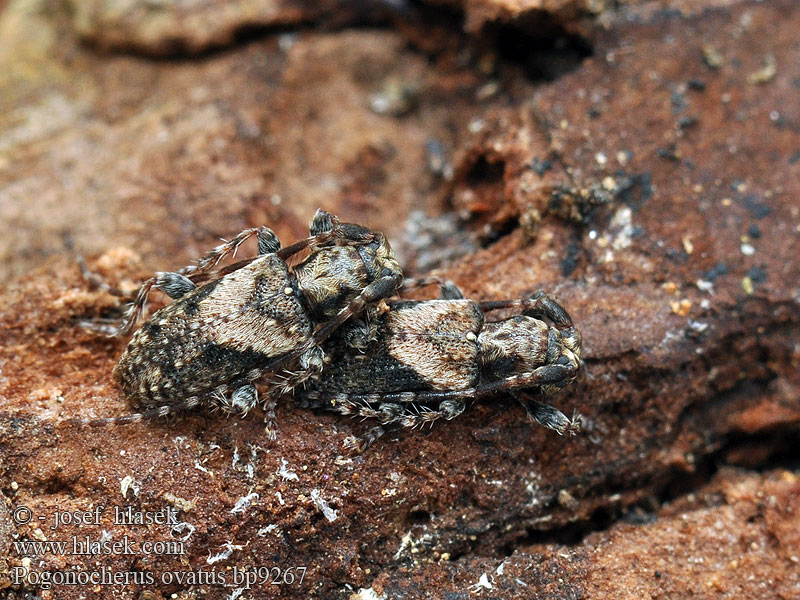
<point>422,360</point>
<point>257,322</point>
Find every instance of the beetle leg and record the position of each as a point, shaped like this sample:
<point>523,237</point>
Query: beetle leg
<point>174,285</point>
<point>538,305</point>
<point>447,289</point>
<point>548,416</point>
<point>357,445</point>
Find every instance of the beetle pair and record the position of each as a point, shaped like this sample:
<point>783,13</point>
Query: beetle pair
<point>245,334</point>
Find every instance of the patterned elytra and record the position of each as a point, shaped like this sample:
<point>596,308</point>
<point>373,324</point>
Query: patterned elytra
<point>258,322</point>
<point>427,358</point>
<point>214,335</point>
<point>323,330</point>
<point>433,337</point>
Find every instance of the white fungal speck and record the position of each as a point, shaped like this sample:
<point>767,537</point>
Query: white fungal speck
<point>244,503</point>
<point>200,467</point>
<point>183,531</point>
<point>698,326</point>
<point>129,483</point>
<point>286,473</point>
<point>705,286</point>
<point>367,594</point>
<point>476,125</point>
<point>235,594</point>
<point>323,506</point>
<point>224,555</point>
<point>483,582</point>
<point>265,530</point>
<point>405,542</point>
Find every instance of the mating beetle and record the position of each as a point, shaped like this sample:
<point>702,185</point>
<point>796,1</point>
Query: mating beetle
<point>257,322</point>
<point>422,360</point>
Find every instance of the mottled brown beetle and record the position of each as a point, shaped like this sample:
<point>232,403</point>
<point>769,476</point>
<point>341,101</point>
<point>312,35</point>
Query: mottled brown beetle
<point>255,322</point>
<point>421,361</point>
